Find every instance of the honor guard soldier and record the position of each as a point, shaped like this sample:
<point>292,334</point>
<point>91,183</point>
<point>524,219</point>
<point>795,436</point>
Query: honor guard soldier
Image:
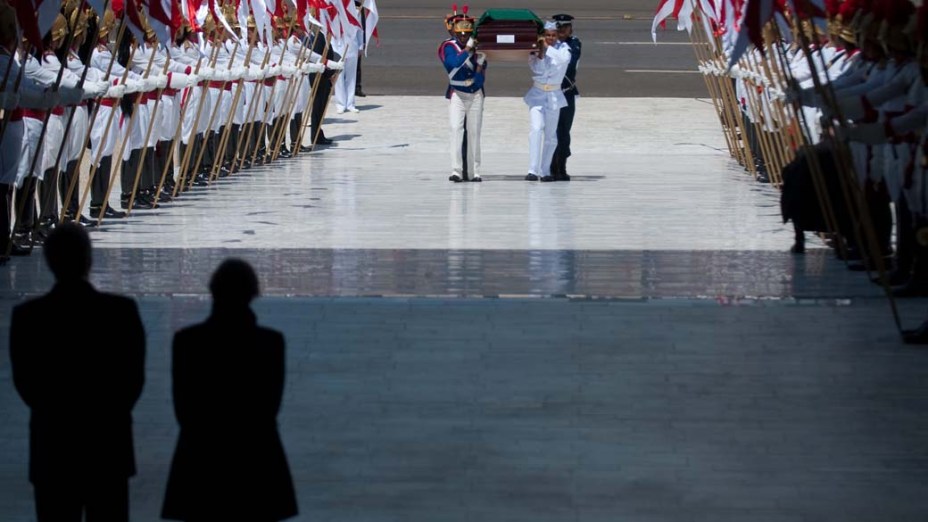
<point>565,33</point>
<point>545,101</point>
<point>465,69</point>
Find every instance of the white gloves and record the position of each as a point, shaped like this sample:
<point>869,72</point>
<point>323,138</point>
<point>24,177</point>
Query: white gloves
<point>162,81</point>
<point>116,91</point>
<point>182,81</point>
<point>471,43</point>
<point>94,89</point>
<point>274,71</point>
<point>70,95</point>
<point>851,107</point>
<point>336,66</point>
<point>288,70</point>
<point>238,73</point>
<point>481,58</point>
<point>134,86</point>
<point>311,68</point>
<point>9,100</point>
<point>148,84</point>
<point>252,74</point>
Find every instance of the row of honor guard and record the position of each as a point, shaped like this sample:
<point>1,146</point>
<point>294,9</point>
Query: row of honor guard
<point>551,99</point>
<point>861,89</point>
<point>157,107</point>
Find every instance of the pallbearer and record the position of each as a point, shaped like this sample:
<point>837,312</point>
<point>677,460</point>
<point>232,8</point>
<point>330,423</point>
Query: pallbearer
<point>565,33</point>
<point>465,69</point>
<point>545,101</point>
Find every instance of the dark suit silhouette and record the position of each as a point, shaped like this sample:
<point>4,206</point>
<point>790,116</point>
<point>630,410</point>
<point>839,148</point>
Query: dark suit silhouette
<point>80,391</point>
<point>228,379</point>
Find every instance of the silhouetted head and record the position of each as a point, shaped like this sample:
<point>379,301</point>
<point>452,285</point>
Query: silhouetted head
<point>67,252</point>
<point>234,283</point>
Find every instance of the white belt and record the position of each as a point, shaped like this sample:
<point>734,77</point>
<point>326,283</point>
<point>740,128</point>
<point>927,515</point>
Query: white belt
<point>547,87</point>
<point>462,83</point>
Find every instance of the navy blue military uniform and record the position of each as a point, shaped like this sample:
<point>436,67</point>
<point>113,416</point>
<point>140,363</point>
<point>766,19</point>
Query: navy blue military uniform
<point>566,119</point>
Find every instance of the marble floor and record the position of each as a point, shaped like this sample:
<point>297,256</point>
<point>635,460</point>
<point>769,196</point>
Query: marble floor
<point>635,345</point>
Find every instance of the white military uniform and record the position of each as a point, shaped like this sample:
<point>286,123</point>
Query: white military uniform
<point>545,101</point>
<point>348,47</point>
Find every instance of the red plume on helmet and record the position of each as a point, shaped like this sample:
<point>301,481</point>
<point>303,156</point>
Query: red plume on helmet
<point>832,7</point>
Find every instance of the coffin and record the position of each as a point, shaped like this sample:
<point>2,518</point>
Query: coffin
<point>508,34</point>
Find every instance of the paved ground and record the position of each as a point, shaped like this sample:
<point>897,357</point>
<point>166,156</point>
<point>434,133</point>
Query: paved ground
<point>634,345</point>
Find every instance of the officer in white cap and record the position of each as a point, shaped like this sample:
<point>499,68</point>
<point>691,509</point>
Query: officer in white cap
<point>545,101</point>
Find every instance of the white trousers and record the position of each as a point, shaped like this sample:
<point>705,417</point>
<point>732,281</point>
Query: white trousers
<point>105,114</point>
<point>345,85</point>
<point>469,105</point>
<point>190,125</point>
<point>79,127</point>
<point>542,139</point>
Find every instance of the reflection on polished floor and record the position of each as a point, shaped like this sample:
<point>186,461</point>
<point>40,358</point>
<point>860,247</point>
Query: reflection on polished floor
<point>636,344</point>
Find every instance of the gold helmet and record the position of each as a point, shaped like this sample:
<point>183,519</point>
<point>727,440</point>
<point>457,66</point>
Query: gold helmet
<point>79,22</point>
<point>209,26</point>
<point>59,28</point>
<point>459,23</point>
<point>228,12</point>
<point>145,24</point>
<point>107,23</point>
<point>251,22</point>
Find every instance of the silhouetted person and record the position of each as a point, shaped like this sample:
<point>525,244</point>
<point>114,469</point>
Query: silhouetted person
<point>228,381</point>
<point>80,391</point>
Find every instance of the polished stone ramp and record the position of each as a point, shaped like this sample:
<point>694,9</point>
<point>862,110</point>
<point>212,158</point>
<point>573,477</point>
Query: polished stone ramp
<point>634,345</point>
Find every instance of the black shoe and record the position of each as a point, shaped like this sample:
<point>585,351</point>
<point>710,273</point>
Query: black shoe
<point>224,172</point>
<point>305,149</point>
<point>246,164</point>
<point>110,213</point>
<point>476,179</point>
<point>284,153</point>
<point>86,222</point>
<point>19,250</point>
<point>359,94</point>
<point>136,203</point>
<point>201,180</point>
<point>562,177</point>
<point>455,178</point>
<point>531,177</point>
<point>547,179</point>
<point>324,141</point>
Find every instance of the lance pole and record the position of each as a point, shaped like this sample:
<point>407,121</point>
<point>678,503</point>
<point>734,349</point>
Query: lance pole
<point>312,90</point>
<point>191,141</point>
<point>302,58</point>
<point>125,138</point>
<point>314,93</point>
<point>270,106</point>
<point>283,118</point>
<point>107,128</point>
<point>230,120</point>
<point>151,124</point>
<point>245,136</point>
<point>212,117</point>
<point>75,177</point>
<point>16,83</point>
<point>178,131</point>
<point>35,157</point>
